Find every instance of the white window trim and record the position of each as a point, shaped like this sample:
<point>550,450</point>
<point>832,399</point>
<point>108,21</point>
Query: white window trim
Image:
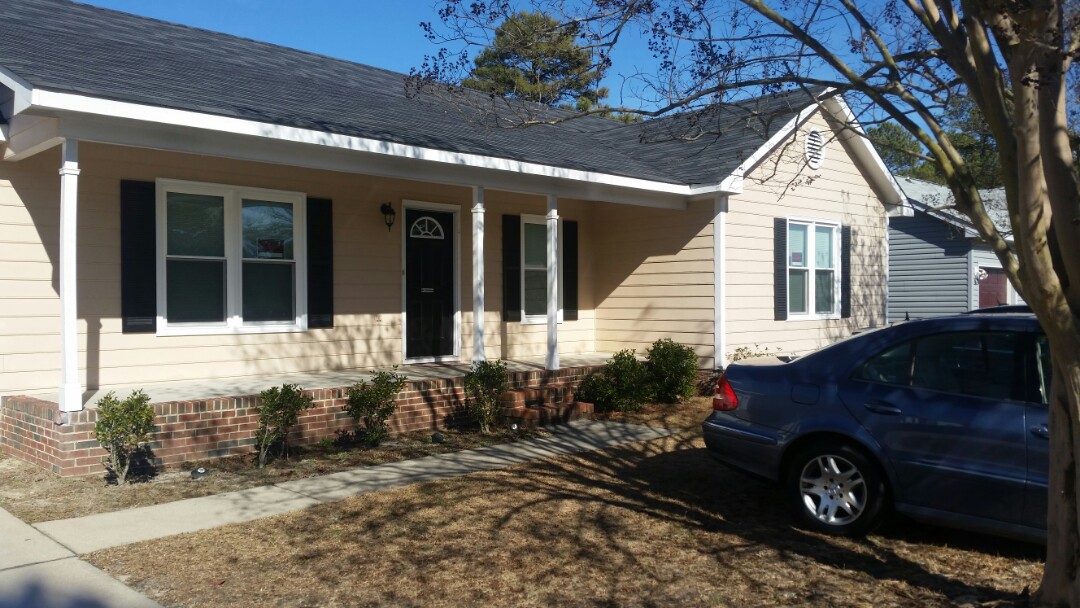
<point>809,315</point>
<point>233,196</point>
<point>542,220</point>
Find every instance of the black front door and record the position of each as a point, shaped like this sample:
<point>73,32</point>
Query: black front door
<point>429,283</point>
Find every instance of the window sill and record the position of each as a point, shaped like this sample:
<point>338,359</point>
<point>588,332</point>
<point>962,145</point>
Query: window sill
<point>798,317</point>
<point>538,320</point>
<point>220,330</point>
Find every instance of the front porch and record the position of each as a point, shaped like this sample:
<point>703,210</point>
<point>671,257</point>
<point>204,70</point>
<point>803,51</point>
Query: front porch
<point>215,418</point>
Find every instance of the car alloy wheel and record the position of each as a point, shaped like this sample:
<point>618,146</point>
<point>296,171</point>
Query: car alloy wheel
<point>836,488</point>
<point>833,490</point>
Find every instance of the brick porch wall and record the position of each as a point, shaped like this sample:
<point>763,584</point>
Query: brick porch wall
<point>214,428</point>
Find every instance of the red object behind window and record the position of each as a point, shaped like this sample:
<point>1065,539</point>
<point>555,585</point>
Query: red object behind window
<point>725,399</point>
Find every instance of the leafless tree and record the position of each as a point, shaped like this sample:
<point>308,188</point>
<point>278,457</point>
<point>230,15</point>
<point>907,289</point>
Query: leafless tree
<point>901,60</point>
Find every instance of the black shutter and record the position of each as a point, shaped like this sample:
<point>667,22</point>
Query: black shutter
<point>780,286</point>
<point>570,270</point>
<point>138,257</point>
<point>320,262</point>
<point>845,271</point>
<point>511,237</point>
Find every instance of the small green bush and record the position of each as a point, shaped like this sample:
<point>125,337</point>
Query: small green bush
<point>372,404</point>
<point>672,369</point>
<point>122,428</point>
<point>485,382</point>
<point>621,385</point>
<point>278,409</point>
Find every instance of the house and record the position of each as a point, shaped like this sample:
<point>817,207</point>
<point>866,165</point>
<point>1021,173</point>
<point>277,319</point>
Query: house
<point>227,209</point>
<point>938,265</point>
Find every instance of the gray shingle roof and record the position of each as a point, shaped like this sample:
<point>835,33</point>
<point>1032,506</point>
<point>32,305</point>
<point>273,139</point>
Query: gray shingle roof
<point>64,46</point>
<point>938,200</point>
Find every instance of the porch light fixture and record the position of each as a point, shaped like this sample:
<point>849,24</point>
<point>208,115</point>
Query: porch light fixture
<point>389,215</point>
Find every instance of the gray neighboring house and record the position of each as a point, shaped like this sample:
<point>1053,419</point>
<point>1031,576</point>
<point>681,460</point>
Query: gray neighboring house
<point>938,265</point>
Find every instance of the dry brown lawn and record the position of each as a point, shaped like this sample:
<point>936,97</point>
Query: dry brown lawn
<point>36,495</point>
<point>651,524</point>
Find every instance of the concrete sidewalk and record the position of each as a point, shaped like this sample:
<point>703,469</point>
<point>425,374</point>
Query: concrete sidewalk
<point>38,572</point>
<point>95,532</point>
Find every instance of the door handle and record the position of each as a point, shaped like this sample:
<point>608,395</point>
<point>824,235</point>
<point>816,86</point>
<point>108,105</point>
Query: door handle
<point>882,407</point>
<point>1041,431</point>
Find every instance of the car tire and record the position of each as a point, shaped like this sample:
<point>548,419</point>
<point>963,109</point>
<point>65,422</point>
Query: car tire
<point>836,489</point>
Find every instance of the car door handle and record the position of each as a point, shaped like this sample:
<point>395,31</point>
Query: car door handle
<point>1041,431</point>
<point>882,407</point>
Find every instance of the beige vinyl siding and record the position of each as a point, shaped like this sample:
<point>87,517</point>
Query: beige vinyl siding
<point>783,186</point>
<point>654,277</point>
<point>29,308</point>
<point>367,268</point>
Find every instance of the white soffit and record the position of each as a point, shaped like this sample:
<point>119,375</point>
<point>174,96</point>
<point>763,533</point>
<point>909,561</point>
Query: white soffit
<point>154,123</point>
<point>20,89</point>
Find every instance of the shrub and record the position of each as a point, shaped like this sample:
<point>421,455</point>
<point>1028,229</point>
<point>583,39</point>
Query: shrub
<point>122,428</point>
<point>278,409</point>
<point>672,370</point>
<point>485,382</point>
<point>622,385</point>
<point>371,405</point>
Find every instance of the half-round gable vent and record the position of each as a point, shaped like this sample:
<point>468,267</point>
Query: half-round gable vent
<point>815,148</point>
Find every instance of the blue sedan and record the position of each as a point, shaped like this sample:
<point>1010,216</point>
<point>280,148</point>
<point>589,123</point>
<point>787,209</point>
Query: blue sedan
<point>943,420</point>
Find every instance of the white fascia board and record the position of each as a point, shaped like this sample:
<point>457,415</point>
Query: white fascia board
<point>733,183</point>
<point>867,155</point>
<point>22,90</point>
<point>51,101</point>
<point>4,133</point>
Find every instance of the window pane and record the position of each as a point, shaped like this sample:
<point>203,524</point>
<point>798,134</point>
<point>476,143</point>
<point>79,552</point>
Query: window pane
<point>797,294</point>
<point>196,224</point>
<point>535,245</point>
<point>268,292</point>
<point>536,292</point>
<point>823,249</point>
<point>268,230</point>
<point>797,245</point>
<point>824,296</point>
<point>195,291</point>
<point>890,367</point>
<point>977,365</point>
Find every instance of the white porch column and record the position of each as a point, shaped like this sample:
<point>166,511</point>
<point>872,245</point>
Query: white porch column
<point>720,210</point>
<point>70,388</point>
<point>553,282</point>
<point>478,273</point>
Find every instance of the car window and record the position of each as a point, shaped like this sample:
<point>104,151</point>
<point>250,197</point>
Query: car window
<point>967,363</point>
<point>891,366</point>
<point>1046,369</point>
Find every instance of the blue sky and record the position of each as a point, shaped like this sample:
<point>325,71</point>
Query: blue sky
<point>381,33</point>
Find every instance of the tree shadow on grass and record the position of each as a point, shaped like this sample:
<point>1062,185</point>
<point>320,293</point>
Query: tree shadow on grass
<point>652,523</point>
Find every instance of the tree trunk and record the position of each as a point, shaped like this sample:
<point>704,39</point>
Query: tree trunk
<point>1061,576</point>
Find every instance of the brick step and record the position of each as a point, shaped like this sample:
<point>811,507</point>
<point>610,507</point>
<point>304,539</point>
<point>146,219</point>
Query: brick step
<point>530,417</point>
<point>536,396</point>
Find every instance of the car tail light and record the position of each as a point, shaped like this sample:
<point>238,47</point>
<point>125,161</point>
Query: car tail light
<point>725,399</point>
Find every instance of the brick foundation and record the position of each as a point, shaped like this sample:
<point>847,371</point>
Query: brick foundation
<point>214,428</point>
